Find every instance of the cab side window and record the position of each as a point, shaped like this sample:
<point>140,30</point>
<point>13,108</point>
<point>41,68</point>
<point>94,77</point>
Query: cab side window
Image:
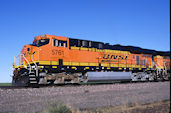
<point>59,43</point>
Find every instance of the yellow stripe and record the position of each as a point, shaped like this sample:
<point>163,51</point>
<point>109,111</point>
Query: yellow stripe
<point>93,64</point>
<point>83,48</point>
<point>14,62</point>
<point>122,65</point>
<point>83,64</point>
<point>54,63</point>
<point>94,49</point>
<point>158,56</point>
<point>77,48</point>
<point>67,63</point>
<point>80,64</point>
<point>114,65</point>
<point>20,66</point>
<point>44,62</point>
<point>54,66</point>
<point>86,68</point>
<point>75,63</point>
<point>105,65</point>
<point>100,50</point>
<point>74,68</point>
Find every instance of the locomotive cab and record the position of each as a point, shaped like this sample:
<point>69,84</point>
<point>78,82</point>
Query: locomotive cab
<point>43,50</point>
<point>45,54</point>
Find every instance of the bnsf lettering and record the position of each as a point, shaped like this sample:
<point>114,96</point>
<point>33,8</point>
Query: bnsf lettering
<point>113,57</point>
<point>107,56</point>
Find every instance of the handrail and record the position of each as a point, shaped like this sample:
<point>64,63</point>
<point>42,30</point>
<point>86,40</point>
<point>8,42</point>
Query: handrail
<point>165,69</point>
<point>34,64</point>
<point>26,61</point>
<point>159,65</point>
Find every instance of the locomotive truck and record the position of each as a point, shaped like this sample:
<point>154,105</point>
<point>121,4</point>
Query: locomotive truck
<point>60,60</point>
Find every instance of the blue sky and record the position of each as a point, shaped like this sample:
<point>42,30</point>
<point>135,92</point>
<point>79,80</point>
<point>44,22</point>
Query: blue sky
<point>143,23</point>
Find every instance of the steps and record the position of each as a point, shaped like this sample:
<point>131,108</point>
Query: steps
<point>32,78</point>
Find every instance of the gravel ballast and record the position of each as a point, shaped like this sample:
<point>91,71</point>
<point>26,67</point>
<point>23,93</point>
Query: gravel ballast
<point>83,96</point>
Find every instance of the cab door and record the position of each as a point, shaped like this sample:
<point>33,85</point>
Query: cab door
<point>137,60</point>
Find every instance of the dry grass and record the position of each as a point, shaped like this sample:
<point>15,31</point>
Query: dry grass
<point>157,107</point>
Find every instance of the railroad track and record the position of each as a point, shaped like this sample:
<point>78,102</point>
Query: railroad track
<point>11,87</point>
<point>73,85</point>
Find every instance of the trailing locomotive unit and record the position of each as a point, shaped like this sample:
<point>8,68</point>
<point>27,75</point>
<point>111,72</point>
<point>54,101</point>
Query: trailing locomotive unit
<point>60,60</point>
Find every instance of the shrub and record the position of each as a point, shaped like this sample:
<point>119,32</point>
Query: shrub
<point>58,108</point>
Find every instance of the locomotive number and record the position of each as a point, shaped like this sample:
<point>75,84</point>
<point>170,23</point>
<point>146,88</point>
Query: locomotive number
<point>57,52</point>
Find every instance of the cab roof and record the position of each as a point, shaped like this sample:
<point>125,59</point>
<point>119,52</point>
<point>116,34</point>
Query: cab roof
<point>50,37</point>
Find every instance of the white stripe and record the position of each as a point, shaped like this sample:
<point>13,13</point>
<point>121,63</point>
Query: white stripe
<point>33,81</point>
<point>32,78</point>
<point>31,75</point>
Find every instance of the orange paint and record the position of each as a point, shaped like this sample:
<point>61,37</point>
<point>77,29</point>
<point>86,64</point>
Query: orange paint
<point>86,55</point>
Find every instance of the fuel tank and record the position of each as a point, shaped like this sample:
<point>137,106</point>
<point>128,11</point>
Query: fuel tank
<point>109,76</point>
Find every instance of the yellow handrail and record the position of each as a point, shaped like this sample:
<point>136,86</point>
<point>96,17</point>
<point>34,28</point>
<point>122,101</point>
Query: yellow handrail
<point>14,65</point>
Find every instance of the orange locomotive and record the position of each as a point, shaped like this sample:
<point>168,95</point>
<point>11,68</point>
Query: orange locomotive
<point>58,60</point>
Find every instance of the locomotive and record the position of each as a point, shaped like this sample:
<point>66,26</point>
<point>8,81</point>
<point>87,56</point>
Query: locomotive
<point>60,60</point>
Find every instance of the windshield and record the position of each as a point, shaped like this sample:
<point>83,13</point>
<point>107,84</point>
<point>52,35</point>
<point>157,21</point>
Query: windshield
<point>40,42</point>
<point>43,42</point>
<point>35,43</point>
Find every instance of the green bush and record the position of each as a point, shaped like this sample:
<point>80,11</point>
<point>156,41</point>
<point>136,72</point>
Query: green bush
<point>58,108</point>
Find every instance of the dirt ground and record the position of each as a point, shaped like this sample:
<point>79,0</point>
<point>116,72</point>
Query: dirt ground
<point>83,97</point>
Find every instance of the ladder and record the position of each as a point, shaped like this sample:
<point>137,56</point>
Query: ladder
<point>32,77</point>
<point>33,74</point>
